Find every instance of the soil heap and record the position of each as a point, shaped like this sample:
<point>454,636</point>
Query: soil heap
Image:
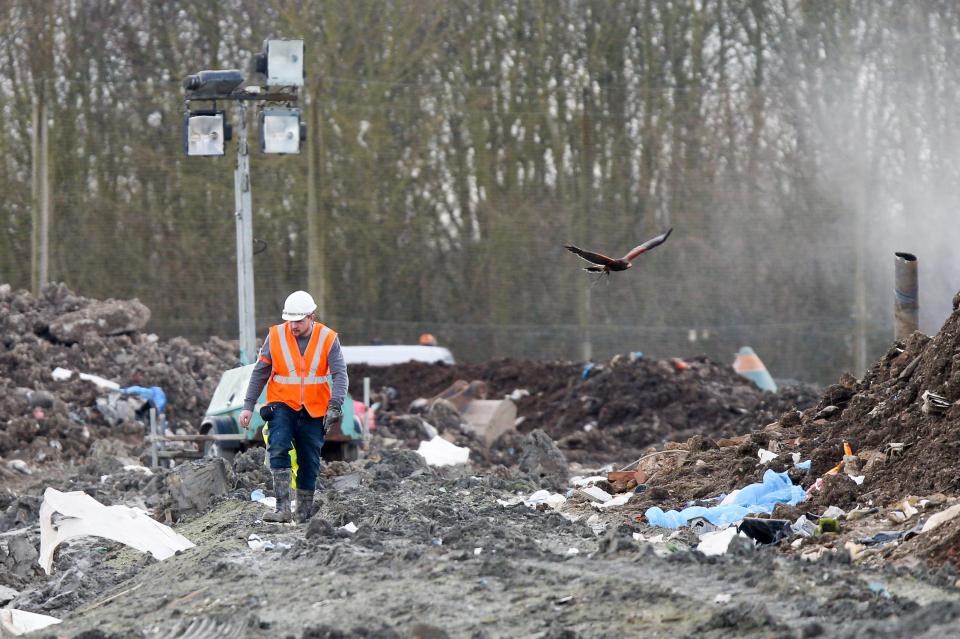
<point>44,419</point>
<point>904,445</point>
<point>612,412</point>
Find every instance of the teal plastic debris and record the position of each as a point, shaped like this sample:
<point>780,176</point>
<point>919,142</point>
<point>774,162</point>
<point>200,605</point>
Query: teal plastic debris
<point>749,365</point>
<point>754,498</point>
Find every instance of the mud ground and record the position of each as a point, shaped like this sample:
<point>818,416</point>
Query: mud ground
<point>436,555</point>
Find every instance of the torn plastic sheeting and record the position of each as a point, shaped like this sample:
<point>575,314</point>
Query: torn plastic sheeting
<point>766,456</point>
<point>62,374</point>
<point>619,500</point>
<point>553,500</point>
<point>440,452</point>
<point>886,536</point>
<point>20,622</point>
<point>754,498</point>
<point>153,394</point>
<point>596,493</point>
<point>718,541</point>
<point>765,531</point>
<point>85,516</point>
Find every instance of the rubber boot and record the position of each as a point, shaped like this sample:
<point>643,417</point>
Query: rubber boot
<point>304,505</point>
<point>281,488</point>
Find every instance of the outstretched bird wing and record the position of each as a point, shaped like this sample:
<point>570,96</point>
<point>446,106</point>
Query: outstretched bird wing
<point>652,243</point>
<point>596,258</point>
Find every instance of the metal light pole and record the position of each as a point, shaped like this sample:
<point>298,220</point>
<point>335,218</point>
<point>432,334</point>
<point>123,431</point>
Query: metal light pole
<point>244,216</point>
<point>281,131</point>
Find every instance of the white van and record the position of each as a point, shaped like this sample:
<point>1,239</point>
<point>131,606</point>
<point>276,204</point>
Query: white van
<point>387,355</point>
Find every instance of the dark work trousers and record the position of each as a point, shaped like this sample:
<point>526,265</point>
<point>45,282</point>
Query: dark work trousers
<point>298,430</point>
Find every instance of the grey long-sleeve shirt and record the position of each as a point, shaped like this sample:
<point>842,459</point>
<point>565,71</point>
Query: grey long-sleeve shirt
<point>263,370</point>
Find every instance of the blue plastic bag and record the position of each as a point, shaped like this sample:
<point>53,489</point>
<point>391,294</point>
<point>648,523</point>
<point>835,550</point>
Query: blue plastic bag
<point>754,498</point>
<point>154,395</point>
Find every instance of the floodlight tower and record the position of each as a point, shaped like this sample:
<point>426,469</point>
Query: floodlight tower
<point>281,131</point>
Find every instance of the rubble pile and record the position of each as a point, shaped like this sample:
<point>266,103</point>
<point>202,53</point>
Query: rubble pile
<point>604,410</point>
<point>99,346</point>
<point>880,453</point>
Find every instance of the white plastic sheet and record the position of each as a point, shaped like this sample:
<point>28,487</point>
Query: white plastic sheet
<point>20,622</point>
<point>440,452</point>
<point>941,517</point>
<point>716,542</point>
<point>62,374</point>
<point>84,516</point>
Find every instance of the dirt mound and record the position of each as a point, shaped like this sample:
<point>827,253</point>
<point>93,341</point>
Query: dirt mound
<point>612,412</point>
<point>46,419</point>
<point>886,407</point>
<point>900,449</point>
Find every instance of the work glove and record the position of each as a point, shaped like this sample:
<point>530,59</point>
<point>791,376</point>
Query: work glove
<point>332,417</point>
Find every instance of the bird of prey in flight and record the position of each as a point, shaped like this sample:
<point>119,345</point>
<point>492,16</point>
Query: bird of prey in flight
<point>605,265</point>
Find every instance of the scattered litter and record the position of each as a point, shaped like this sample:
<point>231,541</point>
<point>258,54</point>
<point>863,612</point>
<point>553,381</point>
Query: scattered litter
<point>596,525</point>
<point>718,541</point>
<point>749,365</point>
<point>138,468</point>
<point>518,394</point>
<point>828,525</point>
<point>860,513</point>
<point>553,500</point>
<point>804,527</point>
<point>722,598</point>
<point>477,551</point>
<point>879,589</point>
<point>20,622</point>
<point>804,465</point>
<point>257,543</point>
<point>815,487</point>
<point>63,374</point>
<point>440,452</point>
<point>20,466</point>
<point>754,498</point>
<point>765,531</point>
<point>350,527</point>
<point>886,536</point>
<point>834,512</point>
<point>699,525</point>
<point>934,404</point>
<point>259,496</point>
<point>619,500</point>
<point>941,518</point>
<point>579,481</point>
<point>815,554</point>
<point>85,516</point>
<point>652,539</point>
<point>766,456</point>
<point>597,494</point>
<point>573,551</point>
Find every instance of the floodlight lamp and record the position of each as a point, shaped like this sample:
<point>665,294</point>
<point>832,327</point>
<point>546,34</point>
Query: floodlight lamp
<point>209,85</point>
<point>281,130</point>
<point>281,62</point>
<point>205,133</point>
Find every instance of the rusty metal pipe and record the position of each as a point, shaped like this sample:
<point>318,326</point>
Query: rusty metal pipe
<point>906,300</point>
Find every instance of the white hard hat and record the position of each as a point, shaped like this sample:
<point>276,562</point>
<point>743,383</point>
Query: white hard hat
<point>299,304</point>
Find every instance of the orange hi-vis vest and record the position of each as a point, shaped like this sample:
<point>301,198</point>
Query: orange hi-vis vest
<point>301,381</point>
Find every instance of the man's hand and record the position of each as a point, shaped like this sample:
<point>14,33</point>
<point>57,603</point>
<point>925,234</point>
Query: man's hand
<point>245,416</point>
<point>332,417</point>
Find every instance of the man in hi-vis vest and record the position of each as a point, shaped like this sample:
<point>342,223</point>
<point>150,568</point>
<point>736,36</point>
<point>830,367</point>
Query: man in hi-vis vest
<point>302,365</point>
